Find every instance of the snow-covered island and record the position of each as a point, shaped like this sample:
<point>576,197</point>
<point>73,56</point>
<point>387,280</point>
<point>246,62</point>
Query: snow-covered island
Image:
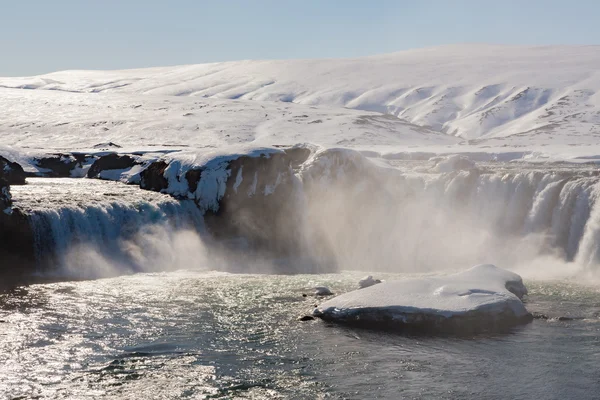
<point>482,299</point>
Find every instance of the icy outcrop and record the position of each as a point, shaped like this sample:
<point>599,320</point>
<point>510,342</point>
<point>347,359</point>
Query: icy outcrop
<point>484,298</point>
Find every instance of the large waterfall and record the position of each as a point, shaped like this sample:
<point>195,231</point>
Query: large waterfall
<point>408,216</point>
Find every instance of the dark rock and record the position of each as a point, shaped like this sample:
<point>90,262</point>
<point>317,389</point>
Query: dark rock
<point>470,323</point>
<point>111,162</point>
<point>60,165</point>
<point>306,318</point>
<point>563,318</point>
<point>12,172</point>
<point>297,155</point>
<point>107,145</point>
<point>193,177</point>
<point>5,197</point>
<point>153,178</point>
<point>17,248</point>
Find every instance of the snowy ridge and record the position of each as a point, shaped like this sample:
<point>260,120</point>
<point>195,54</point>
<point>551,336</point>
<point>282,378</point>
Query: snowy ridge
<point>473,91</point>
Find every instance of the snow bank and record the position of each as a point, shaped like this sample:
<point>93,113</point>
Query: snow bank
<point>482,298</point>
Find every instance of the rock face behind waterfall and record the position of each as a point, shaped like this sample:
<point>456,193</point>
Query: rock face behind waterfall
<point>16,237</point>
<point>254,197</point>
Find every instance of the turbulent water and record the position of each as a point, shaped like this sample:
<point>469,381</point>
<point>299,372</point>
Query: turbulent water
<point>197,335</point>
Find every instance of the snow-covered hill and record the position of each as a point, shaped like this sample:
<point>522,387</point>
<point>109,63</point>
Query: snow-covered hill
<point>66,121</point>
<point>471,91</point>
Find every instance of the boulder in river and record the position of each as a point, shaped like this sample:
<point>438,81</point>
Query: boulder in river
<point>482,299</point>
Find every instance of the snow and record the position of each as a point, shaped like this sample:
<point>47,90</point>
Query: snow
<point>482,92</point>
<point>481,289</point>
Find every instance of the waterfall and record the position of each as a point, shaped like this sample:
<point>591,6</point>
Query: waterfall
<point>415,219</point>
<point>104,228</point>
<point>360,215</point>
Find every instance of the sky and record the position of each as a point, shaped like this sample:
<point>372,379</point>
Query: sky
<point>49,35</point>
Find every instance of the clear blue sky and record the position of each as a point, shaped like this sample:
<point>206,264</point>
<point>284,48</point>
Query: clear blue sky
<point>48,35</point>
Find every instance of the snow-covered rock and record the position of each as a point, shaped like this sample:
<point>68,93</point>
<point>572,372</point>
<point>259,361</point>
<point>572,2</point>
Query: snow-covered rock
<point>483,298</point>
<point>368,281</point>
<point>322,291</point>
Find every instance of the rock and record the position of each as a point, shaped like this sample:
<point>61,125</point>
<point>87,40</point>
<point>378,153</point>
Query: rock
<point>153,178</point>
<point>263,203</point>
<point>5,197</point>
<point>12,172</point>
<point>193,178</point>
<point>563,318</point>
<point>107,146</point>
<point>17,248</point>
<point>367,281</point>
<point>60,165</point>
<point>482,299</point>
<point>322,291</point>
<point>111,161</point>
<point>297,155</point>
<point>306,318</point>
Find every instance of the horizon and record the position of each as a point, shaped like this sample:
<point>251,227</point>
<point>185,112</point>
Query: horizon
<point>69,35</point>
<point>523,46</point>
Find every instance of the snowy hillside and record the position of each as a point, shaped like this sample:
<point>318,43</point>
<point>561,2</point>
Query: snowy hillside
<point>473,91</point>
<point>60,120</point>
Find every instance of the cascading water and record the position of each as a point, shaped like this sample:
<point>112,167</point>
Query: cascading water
<point>413,218</point>
<point>91,228</point>
<point>406,218</point>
